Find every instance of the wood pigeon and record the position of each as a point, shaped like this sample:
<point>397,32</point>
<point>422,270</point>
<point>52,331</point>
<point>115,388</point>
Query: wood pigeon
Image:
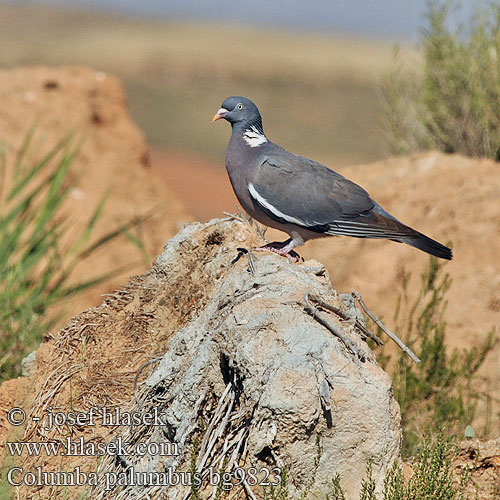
<point>300,196</point>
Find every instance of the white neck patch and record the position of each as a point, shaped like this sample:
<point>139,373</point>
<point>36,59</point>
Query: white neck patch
<point>253,137</point>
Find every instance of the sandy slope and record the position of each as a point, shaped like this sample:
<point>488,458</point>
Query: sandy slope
<point>113,161</point>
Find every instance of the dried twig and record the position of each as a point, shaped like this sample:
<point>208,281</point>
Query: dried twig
<point>345,317</point>
<point>215,417</point>
<point>251,262</point>
<point>332,327</point>
<point>238,216</point>
<point>43,398</point>
<point>211,437</point>
<point>220,221</point>
<point>138,374</point>
<point>210,453</point>
<point>261,230</point>
<point>401,345</point>
<point>242,217</point>
<point>249,491</point>
<point>222,426</point>
<point>240,438</point>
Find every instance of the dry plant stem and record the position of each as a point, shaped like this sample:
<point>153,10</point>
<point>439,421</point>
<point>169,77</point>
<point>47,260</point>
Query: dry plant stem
<point>136,379</point>
<point>261,231</point>
<point>239,440</point>
<point>222,426</point>
<point>249,491</point>
<point>330,326</point>
<point>234,494</point>
<point>242,217</point>
<point>340,313</point>
<point>215,419</point>
<point>239,216</point>
<point>215,430</point>
<point>220,221</point>
<point>251,260</point>
<point>401,345</point>
<point>251,263</point>
<point>369,334</point>
<point>41,407</point>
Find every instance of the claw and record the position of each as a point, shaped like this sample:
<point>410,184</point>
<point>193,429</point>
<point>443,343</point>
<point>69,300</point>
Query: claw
<point>284,248</point>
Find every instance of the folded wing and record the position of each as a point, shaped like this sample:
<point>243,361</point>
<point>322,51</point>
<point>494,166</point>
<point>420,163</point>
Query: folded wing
<point>295,190</point>
<point>300,191</point>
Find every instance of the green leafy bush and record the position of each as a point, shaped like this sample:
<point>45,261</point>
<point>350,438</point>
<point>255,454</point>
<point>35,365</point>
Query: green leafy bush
<point>452,103</point>
<point>432,477</point>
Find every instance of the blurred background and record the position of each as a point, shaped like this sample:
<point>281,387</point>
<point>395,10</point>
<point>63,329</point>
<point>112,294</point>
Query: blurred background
<point>313,68</point>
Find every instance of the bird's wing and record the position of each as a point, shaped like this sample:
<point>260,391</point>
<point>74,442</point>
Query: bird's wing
<point>294,189</point>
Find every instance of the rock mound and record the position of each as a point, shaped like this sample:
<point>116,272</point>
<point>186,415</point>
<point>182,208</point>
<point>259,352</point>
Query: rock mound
<point>244,375</point>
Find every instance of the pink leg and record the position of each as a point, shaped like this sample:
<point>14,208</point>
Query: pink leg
<point>284,248</point>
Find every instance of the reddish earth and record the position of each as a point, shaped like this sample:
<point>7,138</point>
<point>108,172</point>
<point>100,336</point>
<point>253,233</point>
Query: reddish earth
<point>114,159</point>
<point>203,187</point>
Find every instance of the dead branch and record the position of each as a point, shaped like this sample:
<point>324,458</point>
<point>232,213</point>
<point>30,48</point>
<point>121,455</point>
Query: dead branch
<point>345,317</point>
<point>332,327</point>
<point>251,261</point>
<point>379,323</point>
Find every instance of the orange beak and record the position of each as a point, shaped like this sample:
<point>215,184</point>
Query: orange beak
<point>220,114</point>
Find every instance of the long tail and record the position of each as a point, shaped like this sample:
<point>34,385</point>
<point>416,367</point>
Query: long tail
<point>416,239</point>
<point>378,224</point>
<point>428,245</point>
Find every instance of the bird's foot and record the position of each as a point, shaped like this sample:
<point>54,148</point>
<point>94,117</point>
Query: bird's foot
<point>283,248</point>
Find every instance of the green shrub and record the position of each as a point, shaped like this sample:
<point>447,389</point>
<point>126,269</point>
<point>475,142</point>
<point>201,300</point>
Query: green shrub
<point>431,479</point>
<point>435,393</point>
<point>336,492</point>
<point>368,484</point>
<point>452,103</point>
<point>35,264</point>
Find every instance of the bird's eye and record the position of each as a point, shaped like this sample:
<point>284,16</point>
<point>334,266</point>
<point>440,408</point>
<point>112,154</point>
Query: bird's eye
<point>239,106</point>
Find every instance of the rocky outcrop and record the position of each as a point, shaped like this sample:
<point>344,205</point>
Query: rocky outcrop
<point>244,375</point>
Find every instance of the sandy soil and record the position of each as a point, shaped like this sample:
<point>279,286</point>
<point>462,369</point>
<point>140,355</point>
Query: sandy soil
<point>113,161</point>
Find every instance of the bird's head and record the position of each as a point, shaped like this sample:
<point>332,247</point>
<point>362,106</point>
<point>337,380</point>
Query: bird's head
<point>240,111</point>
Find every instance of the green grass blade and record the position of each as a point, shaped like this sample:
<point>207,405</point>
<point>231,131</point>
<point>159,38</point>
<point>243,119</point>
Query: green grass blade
<point>34,171</point>
<point>35,270</point>
<point>24,149</point>
<point>3,167</point>
<point>85,236</point>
